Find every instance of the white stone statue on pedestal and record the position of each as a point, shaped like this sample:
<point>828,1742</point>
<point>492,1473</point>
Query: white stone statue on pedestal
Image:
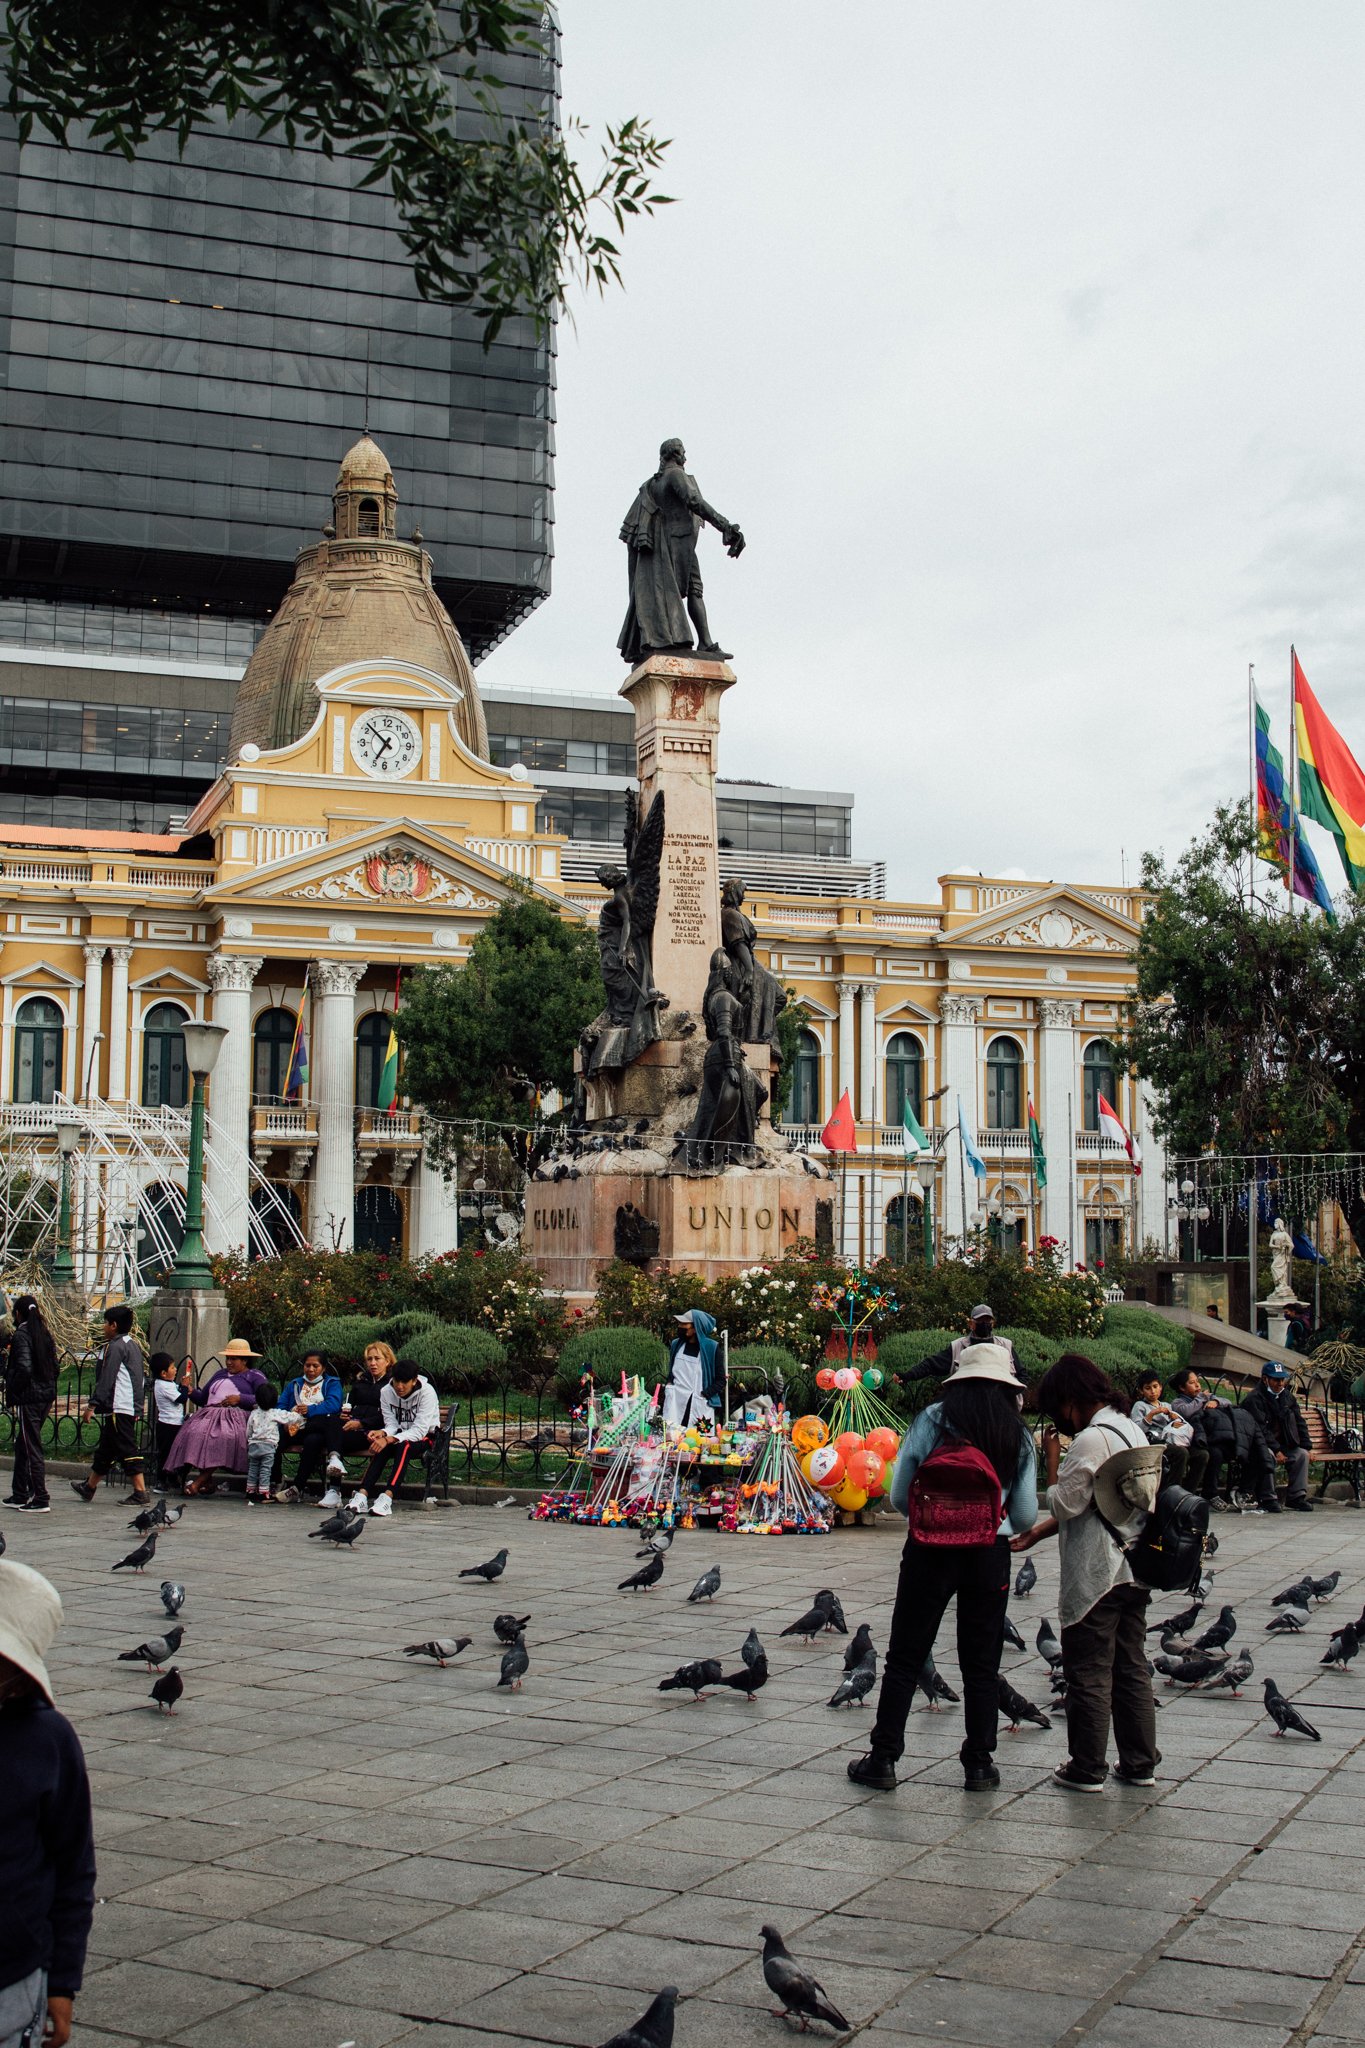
<point>1281,1253</point>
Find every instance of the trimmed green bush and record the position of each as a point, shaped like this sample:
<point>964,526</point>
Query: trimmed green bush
<point>343,1338</point>
<point>456,1357</point>
<point>904,1348</point>
<point>1148,1337</point>
<point>397,1329</point>
<point>607,1353</point>
<point>757,1368</point>
<point>1035,1352</point>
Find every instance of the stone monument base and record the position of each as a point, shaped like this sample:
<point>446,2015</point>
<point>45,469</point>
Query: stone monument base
<point>189,1322</point>
<point>706,1223</point>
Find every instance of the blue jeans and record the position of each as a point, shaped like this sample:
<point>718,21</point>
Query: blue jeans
<point>260,1458</point>
<point>23,2011</point>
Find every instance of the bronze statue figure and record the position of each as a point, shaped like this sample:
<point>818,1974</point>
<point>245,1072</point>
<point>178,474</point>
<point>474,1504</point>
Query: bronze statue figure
<point>660,531</point>
<point>625,939</point>
<point>760,992</point>
<point>722,1131</point>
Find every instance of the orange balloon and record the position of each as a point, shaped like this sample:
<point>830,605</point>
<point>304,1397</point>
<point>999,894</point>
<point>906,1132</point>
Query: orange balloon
<point>848,1443</point>
<point>884,1442</point>
<point>808,1433</point>
<point>867,1470</point>
<point>850,1497</point>
<point>824,1468</point>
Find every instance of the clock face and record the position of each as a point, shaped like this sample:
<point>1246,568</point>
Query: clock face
<point>385,743</point>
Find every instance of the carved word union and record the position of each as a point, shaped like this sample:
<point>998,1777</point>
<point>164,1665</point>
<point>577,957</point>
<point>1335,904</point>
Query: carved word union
<point>722,1218</point>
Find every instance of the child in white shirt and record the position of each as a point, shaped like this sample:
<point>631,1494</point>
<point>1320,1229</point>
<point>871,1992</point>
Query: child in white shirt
<point>262,1442</point>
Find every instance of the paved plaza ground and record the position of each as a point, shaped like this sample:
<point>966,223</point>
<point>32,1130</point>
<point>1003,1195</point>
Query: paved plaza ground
<point>332,1845</point>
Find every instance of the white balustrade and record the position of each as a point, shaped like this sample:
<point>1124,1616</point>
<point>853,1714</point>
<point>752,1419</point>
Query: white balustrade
<point>516,855</point>
<point>282,842</point>
<point>45,870</point>
<point>173,878</point>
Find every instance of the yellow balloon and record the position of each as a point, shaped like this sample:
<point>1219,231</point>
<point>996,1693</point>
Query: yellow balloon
<point>808,1433</point>
<point>850,1497</point>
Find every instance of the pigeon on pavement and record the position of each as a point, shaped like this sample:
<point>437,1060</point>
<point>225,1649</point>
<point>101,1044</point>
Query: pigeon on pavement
<point>1026,1578</point>
<point>1189,1670</point>
<point>1016,1708</point>
<point>752,1650</point>
<point>1233,1676</point>
<point>347,1536</point>
<point>657,1541</point>
<point>855,1685</point>
<point>137,1560</point>
<point>150,1518</point>
<point>692,1677</point>
<point>1323,1589</point>
<point>172,1596</point>
<point>330,1527</point>
<point>1285,1714</point>
<point>750,1680</point>
<point>168,1690</point>
<point>1219,1632</point>
<point>440,1649</point>
<point>803,1996</point>
<point>507,1627</point>
<point>1013,1637</point>
<point>1178,1623</point>
<point>1290,1621</point>
<point>934,1686</point>
<point>154,1652</point>
<point>810,1625</point>
<point>1343,1646</point>
<point>654,2028</point>
<point>833,1610</point>
<point>1047,1645</point>
<point>647,1576</point>
<point>707,1586</point>
<point>515,1665</point>
<point>860,1647</point>
<point>1297,1595</point>
<point>492,1570</point>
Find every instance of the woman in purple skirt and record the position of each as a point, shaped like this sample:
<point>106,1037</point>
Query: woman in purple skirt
<point>214,1440</point>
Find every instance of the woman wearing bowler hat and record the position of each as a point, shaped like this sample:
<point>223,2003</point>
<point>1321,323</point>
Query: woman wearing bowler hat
<point>215,1439</point>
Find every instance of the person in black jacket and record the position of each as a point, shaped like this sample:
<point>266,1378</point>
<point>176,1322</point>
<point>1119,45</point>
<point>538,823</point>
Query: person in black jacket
<point>30,1390</point>
<point>1281,1432</point>
<point>117,1400</point>
<point>981,1330</point>
<point>47,1851</point>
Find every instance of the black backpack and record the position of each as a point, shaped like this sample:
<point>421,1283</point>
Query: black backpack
<point>1169,1554</point>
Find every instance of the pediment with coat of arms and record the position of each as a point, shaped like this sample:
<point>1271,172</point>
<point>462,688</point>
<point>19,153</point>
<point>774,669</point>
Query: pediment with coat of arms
<point>396,875</point>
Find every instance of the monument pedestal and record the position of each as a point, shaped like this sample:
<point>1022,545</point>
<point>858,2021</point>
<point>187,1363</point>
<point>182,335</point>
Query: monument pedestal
<point>189,1322</point>
<point>1276,1309</point>
<point>706,1223</point>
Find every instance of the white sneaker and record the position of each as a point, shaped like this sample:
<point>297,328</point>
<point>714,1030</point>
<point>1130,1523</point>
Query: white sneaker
<point>358,1504</point>
<point>330,1499</point>
<point>335,1468</point>
<point>383,1504</point>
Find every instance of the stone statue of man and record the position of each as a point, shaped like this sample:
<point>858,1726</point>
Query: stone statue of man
<point>660,532</point>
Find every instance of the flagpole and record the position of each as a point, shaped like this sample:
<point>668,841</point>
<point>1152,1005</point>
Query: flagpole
<point>1071,1174</point>
<point>1293,782</point>
<point>1254,784</point>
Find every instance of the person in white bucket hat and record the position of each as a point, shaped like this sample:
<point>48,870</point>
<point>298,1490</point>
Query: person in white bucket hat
<point>47,1850</point>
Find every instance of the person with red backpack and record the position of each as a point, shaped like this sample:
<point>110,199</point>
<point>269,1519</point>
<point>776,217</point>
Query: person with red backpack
<point>965,1479</point>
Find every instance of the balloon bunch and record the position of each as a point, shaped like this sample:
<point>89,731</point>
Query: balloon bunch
<point>852,1467</point>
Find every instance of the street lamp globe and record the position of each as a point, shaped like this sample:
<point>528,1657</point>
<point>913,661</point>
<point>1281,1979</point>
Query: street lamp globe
<point>202,1045</point>
<point>924,1171</point>
<point>68,1135</point>
<point>1187,1188</point>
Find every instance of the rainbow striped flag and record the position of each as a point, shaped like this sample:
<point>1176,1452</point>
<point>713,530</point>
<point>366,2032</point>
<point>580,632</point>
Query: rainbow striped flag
<point>296,1073</point>
<point>1273,821</point>
<point>1331,785</point>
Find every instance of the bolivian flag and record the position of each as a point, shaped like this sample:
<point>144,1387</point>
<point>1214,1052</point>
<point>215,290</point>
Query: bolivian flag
<point>388,1076</point>
<point>1331,785</point>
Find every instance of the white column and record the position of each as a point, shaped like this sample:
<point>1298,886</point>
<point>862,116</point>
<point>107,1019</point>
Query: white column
<point>847,991</point>
<point>332,1222</point>
<point>1058,1088</point>
<point>92,1003</point>
<point>958,1016</point>
<point>1152,1185</point>
<point>118,1024</point>
<point>868,1091</point>
<point>436,1227</point>
<point>227,1224</point>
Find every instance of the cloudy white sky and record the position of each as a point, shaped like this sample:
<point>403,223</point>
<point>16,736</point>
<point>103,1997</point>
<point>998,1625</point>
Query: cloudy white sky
<point>1026,344</point>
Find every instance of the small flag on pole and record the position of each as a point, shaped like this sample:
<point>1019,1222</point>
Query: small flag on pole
<point>839,1134</point>
<point>1273,821</point>
<point>1035,1139</point>
<point>1111,1128</point>
<point>296,1073</point>
<point>388,1076</point>
<point>969,1151</point>
<point>916,1137</point>
<point>1331,782</point>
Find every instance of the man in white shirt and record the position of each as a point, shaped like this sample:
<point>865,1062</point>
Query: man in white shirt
<point>411,1417</point>
<point>117,1400</point>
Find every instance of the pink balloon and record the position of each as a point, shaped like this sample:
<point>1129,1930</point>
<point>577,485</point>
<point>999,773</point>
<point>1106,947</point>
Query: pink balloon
<point>845,1379</point>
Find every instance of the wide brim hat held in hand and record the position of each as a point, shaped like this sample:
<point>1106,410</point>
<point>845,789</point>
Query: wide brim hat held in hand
<point>985,1362</point>
<point>30,1616</point>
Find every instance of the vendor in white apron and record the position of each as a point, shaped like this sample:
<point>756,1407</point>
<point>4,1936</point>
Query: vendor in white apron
<point>692,1371</point>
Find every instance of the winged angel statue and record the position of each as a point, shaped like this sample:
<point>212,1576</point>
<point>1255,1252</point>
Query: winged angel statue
<point>625,937</point>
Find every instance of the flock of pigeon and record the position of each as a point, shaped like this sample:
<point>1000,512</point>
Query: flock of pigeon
<point>157,1650</point>
<point>802,1997</point>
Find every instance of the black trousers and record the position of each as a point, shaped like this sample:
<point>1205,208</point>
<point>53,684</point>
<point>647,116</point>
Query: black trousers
<point>30,1474</point>
<point>930,1575</point>
<point>166,1434</point>
<point>319,1437</point>
<point>1104,1656</point>
<point>117,1446</point>
<point>1186,1464</point>
<point>401,1456</point>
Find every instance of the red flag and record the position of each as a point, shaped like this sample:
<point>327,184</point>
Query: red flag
<point>839,1134</point>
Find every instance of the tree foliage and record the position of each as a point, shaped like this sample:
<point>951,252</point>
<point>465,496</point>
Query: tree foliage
<point>489,1039</point>
<point>791,1023</point>
<point>493,207</point>
<point>1248,1019</point>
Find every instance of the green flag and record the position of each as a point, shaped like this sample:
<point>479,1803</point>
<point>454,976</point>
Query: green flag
<point>388,1077</point>
<point>916,1137</point>
<point>1035,1138</point>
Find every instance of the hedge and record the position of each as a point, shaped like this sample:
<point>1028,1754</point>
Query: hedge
<point>607,1353</point>
<point>455,1357</point>
<point>1150,1337</point>
<point>397,1329</point>
<point>905,1348</point>
<point>341,1338</point>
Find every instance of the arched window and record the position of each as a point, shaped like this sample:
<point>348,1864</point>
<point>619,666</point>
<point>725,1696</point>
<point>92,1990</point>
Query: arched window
<point>1004,1085</point>
<point>38,1036</point>
<point>1099,1076</point>
<point>904,1230</point>
<point>266,1220</point>
<point>272,1041</point>
<point>371,1050</point>
<point>805,1096</point>
<point>165,1077</point>
<point>367,516</point>
<point>378,1225</point>
<point>904,1077</point>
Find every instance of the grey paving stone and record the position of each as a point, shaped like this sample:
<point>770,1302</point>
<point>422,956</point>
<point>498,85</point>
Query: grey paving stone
<point>253,1952</point>
<point>546,2007</point>
<point>1224,1993</point>
<point>227,1894</point>
<point>582,1899</point>
<point>934,1905</point>
<point>279,2020</point>
<point>120,1929</point>
<point>1031,1965</point>
<point>1252,1945</point>
<point>437,1878</point>
<point>401,1981</point>
<point>519,1940</point>
<point>1301,1906</point>
<point>1127,2026</point>
<point>1123,1930</point>
<point>985,2014</point>
<point>366,1917</point>
<point>647,1961</point>
<point>1345,2015</point>
<point>150,2002</point>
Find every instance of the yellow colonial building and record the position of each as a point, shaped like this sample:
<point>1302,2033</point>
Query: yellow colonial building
<point>360,830</point>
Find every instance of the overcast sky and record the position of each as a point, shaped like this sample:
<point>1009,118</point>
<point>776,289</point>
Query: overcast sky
<point>1026,344</point>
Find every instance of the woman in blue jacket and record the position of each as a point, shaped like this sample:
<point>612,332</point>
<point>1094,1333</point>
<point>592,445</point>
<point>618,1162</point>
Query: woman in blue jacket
<point>693,1389</point>
<point>314,1399</point>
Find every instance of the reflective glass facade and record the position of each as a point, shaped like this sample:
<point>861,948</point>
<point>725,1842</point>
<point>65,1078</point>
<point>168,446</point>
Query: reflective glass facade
<point>185,348</point>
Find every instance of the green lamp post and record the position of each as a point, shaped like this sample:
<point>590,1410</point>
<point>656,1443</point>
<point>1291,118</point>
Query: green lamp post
<point>924,1174</point>
<point>191,1268</point>
<point>63,1265</point>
